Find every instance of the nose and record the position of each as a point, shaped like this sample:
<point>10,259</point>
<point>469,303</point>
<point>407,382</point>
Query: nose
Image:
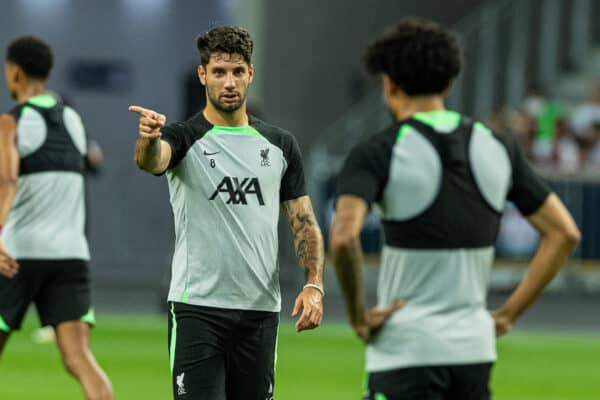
<point>230,82</point>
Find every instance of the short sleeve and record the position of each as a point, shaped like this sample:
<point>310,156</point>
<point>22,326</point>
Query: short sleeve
<point>365,172</point>
<point>180,138</point>
<point>292,183</point>
<point>528,191</point>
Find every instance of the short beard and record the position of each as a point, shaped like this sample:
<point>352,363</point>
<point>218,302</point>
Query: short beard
<point>13,94</point>
<point>230,108</point>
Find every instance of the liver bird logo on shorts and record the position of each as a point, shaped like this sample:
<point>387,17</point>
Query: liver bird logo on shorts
<point>265,158</point>
<point>180,387</point>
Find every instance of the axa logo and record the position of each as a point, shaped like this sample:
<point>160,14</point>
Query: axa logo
<point>239,190</point>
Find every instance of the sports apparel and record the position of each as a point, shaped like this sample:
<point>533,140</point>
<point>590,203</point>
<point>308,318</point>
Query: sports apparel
<point>225,185</point>
<point>452,382</point>
<point>48,215</point>
<point>222,354</point>
<point>60,290</point>
<point>441,182</point>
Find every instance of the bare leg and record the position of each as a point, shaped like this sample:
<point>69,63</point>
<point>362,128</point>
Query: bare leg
<point>73,338</point>
<point>3,339</point>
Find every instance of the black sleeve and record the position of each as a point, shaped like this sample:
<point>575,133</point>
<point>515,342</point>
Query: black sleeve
<point>292,183</point>
<point>528,191</point>
<point>180,137</point>
<point>365,172</point>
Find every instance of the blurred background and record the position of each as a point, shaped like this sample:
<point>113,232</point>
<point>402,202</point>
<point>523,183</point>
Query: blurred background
<point>532,67</point>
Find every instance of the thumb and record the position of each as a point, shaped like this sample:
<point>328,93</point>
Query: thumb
<point>297,306</point>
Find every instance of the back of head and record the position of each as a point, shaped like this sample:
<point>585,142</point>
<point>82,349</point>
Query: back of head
<point>418,55</point>
<point>32,55</point>
<point>225,40</point>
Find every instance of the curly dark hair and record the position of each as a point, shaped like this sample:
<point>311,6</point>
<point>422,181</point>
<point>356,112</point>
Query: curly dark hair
<point>225,39</point>
<point>418,55</point>
<point>32,54</point>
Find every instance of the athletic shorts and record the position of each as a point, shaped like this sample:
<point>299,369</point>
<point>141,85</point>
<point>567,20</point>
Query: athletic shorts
<point>453,382</point>
<point>60,290</point>
<point>219,354</point>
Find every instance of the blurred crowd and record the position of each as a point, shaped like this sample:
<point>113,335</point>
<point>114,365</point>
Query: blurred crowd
<point>553,134</point>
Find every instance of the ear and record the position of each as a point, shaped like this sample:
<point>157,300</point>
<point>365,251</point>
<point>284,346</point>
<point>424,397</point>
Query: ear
<point>390,89</point>
<point>202,74</point>
<point>250,73</point>
<point>447,89</point>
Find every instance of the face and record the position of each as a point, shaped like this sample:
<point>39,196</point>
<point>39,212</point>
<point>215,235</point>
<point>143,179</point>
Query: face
<point>226,78</point>
<point>11,76</point>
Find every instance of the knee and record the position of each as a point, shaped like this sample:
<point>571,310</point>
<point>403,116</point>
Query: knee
<point>74,364</point>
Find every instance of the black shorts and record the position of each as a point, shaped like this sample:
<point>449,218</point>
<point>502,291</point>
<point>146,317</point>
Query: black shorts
<point>219,354</point>
<point>60,290</point>
<point>452,382</point>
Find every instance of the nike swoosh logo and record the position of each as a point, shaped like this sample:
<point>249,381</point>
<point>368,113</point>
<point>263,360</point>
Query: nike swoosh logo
<point>210,154</point>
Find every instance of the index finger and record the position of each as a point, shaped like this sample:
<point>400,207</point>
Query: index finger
<point>142,111</point>
<point>300,324</point>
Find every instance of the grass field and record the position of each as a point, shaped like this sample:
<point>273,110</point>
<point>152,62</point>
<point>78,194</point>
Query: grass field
<point>322,365</point>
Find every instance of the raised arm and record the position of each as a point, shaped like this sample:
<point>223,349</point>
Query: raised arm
<point>559,237</point>
<point>9,172</point>
<point>308,243</point>
<point>151,154</point>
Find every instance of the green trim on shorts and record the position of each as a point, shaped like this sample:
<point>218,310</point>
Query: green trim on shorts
<point>173,339</point>
<point>90,317</point>
<point>276,346</point>
<point>4,326</point>
<point>380,396</point>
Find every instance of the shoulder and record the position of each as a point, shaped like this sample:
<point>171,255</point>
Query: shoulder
<point>196,124</point>
<point>278,136</point>
<point>381,141</point>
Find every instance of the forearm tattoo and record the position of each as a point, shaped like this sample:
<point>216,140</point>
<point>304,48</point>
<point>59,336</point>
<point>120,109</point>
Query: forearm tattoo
<point>308,240</point>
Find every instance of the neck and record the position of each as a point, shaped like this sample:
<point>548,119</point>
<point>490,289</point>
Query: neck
<point>238,117</point>
<point>30,90</point>
<point>405,107</point>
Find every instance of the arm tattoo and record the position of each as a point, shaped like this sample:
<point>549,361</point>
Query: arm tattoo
<point>308,240</point>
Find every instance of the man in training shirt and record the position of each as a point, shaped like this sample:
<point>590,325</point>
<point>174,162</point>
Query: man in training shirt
<point>43,248</point>
<point>228,173</point>
<point>441,181</point>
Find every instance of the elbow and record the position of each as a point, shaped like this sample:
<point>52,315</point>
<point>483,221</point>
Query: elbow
<point>140,163</point>
<point>572,237</point>
<point>343,242</point>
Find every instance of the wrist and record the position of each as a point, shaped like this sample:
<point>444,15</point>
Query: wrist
<point>505,313</point>
<point>319,288</point>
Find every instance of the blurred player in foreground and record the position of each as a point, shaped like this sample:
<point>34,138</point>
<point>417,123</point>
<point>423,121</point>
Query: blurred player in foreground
<point>441,181</point>
<point>228,174</point>
<point>43,249</point>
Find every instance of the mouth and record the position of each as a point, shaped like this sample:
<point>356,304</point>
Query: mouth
<point>230,98</point>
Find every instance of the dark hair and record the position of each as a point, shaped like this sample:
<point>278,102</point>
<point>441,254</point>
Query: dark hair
<point>418,55</point>
<point>225,39</point>
<point>32,54</point>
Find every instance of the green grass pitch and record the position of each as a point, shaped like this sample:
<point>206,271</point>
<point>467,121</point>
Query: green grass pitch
<point>326,364</point>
